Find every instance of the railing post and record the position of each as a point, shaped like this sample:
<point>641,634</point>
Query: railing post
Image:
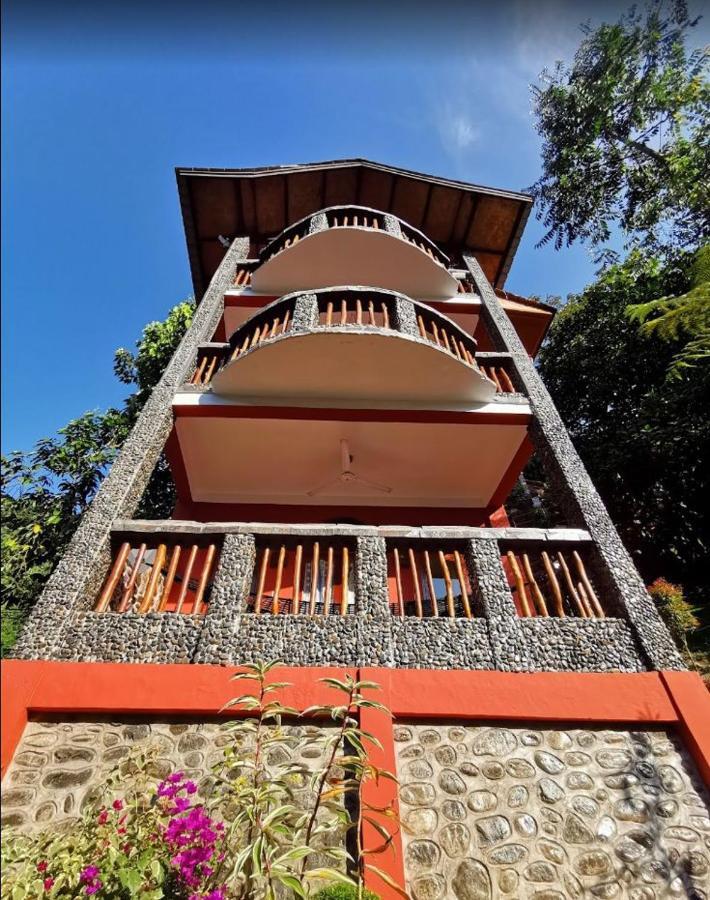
<point>72,586</point>
<point>305,313</point>
<point>230,590</point>
<point>319,222</point>
<point>392,226</point>
<point>405,317</point>
<point>507,638</point>
<point>574,487</point>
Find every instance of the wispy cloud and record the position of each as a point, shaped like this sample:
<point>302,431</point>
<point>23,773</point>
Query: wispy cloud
<point>457,128</point>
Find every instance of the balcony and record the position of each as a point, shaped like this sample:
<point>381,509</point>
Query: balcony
<point>354,245</point>
<point>354,345</point>
<point>451,597</point>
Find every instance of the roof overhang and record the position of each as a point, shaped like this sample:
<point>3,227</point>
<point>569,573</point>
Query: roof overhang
<point>459,217</point>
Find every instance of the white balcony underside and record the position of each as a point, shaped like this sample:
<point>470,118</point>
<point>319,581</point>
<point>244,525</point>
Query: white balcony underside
<point>340,366</point>
<point>346,255</point>
<point>243,460</point>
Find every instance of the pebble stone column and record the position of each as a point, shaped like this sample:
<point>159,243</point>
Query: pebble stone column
<point>505,632</point>
<point>78,576</point>
<point>576,489</point>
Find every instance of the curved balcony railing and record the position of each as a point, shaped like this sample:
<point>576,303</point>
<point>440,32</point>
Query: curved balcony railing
<point>305,318</point>
<point>352,217</point>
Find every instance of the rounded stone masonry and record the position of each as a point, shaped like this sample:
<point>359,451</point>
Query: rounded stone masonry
<point>493,811</point>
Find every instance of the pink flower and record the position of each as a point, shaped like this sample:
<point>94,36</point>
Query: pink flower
<point>89,873</point>
<point>175,777</point>
<point>103,817</point>
<point>42,866</point>
<point>48,882</point>
<point>117,805</point>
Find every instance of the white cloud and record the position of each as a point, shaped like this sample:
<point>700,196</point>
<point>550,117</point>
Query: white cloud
<point>457,128</point>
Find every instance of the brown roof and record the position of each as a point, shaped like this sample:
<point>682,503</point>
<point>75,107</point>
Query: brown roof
<point>262,202</point>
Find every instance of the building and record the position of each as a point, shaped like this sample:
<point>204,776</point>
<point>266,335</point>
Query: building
<point>346,423</point>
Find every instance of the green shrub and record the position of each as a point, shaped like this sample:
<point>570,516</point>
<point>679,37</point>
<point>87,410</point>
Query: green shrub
<point>675,610</point>
<point>344,892</point>
<point>11,620</point>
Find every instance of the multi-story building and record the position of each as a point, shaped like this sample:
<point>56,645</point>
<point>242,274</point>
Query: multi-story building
<point>346,422</point>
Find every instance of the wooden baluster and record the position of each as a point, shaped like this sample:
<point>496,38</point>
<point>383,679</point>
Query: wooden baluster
<point>375,224</point>
<point>275,326</point>
<point>279,577</point>
<point>520,585</point>
<point>345,220</point>
<point>494,377</point>
<point>266,552</point>
<point>385,316</point>
<point>537,593</point>
<point>329,313</point>
<point>328,592</point>
<point>197,376</point>
<point>210,371</point>
<point>435,332</point>
<point>113,579</point>
<point>355,221</point>
<point>398,579</point>
<point>572,590</point>
<point>554,584</point>
<point>422,329</point>
<point>585,600</point>
<point>506,382</point>
<point>358,311</point>
<point>128,590</point>
<point>202,584</point>
<point>446,339</point>
<point>449,587</point>
<point>417,585</point>
<point>596,605</point>
<point>461,350</point>
<point>462,581</point>
<point>297,580</point>
<point>240,276</point>
<point>371,311</point>
<point>461,288</point>
<point>343,311</point>
<point>186,578</point>
<point>158,563</point>
<point>430,584</point>
<point>247,279</point>
<point>169,578</point>
<point>344,582</point>
<point>315,559</point>
<point>284,327</point>
<point>471,359</point>
<point>296,238</point>
<point>264,332</point>
<point>255,337</point>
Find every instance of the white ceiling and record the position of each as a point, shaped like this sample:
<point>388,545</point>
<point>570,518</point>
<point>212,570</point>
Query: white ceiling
<point>279,460</point>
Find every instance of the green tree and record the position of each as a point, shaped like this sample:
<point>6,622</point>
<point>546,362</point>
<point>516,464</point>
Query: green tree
<point>46,490</point>
<point>644,438</point>
<point>626,135</point>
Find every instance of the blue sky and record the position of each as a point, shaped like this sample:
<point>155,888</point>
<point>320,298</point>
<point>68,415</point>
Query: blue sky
<point>101,102</point>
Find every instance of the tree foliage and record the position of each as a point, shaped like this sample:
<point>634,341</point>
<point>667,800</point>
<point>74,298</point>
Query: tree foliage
<point>644,438</point>
<point>47,489</point>
<point>626,135</point>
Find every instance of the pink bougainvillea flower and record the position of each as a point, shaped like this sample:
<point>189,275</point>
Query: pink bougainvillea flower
<point>42,866</point>
<point>117,805</point>
<point>48,883</point>
<point>103,817</point>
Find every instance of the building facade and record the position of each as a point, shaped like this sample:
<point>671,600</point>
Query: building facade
<point>347,423</point>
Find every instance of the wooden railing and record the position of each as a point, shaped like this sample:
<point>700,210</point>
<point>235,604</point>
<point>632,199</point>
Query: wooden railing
<point>445,334</point>
<point>497,372</point>
<point>552,582</point>
<point>275,320</point>
<point>209,361</point>
<point>356,308</point>
<point>429,581</point>
<point>305,577</point>
<point>245,270</point>
<point>167,576</point>
<point>353,217</point>
<point>465,287</point>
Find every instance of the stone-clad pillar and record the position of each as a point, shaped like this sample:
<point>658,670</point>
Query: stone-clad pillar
<point>305,313</point>
<point>491,586</point>
<point>230,589</point>
<point>574,486</point>
<point>80,572</point>
<point>371,597</point>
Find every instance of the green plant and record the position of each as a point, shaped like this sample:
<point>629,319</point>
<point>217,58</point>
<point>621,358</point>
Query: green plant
<point>344,892</point>
<point>264,824</point>
<point>675,610</point>
<point>11,621</point>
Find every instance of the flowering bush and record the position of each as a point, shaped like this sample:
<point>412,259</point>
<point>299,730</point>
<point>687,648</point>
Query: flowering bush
<point>268,826</point>
<point>675,610</point>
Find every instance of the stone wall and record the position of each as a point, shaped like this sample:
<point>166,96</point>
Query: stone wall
<point>60,767</point>
<point>547,814</point>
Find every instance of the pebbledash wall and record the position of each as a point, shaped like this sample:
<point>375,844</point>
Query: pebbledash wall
<point>62,625</point>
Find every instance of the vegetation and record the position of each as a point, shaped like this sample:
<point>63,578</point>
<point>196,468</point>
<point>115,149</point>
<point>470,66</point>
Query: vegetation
<point>46,490</point>
<point>625,135</point>
<point>264,825</point>
<point>627,361</point>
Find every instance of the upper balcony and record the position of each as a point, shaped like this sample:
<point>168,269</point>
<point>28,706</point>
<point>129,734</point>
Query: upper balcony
<point>354,345</point>
<point>354,245</point>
